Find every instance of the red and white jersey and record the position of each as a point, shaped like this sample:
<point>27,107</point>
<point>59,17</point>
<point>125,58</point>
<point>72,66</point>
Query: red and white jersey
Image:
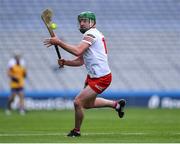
<point>95,57</point>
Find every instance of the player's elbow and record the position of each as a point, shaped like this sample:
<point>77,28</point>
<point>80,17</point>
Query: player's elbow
<point>79,50</point>
<point>78,53</point>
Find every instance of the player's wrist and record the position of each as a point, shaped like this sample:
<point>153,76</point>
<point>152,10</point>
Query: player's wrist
<point>58,42</point>
<point>63,62</point>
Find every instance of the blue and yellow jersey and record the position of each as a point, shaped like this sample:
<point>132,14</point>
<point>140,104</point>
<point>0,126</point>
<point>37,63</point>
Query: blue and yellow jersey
<point>17,74</point>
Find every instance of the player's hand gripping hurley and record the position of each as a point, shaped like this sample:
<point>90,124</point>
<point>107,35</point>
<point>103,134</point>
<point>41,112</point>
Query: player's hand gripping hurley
<point>47,19</point>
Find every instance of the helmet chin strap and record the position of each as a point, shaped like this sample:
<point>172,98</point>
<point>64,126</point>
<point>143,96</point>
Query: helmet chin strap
<point>91,25</point>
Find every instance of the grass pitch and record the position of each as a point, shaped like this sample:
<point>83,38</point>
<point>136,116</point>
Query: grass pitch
<point>100,126</point>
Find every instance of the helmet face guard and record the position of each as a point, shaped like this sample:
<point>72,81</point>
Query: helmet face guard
<point>90,16</point>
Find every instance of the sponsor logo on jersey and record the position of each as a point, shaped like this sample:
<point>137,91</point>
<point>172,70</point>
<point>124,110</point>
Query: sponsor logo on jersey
<point>99,87</point>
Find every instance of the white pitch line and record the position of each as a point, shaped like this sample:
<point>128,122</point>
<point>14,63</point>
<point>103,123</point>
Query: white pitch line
<point>114,133</point>
<point>60,134</point>
<point>30,134</point>
<point>86,134</point>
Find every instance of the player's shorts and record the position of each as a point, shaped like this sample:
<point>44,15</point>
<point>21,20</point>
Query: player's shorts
<point>99,84</point>
<point>17,90</point>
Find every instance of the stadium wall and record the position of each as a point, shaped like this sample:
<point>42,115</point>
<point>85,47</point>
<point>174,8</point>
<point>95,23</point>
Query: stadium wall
<point>51,100</point>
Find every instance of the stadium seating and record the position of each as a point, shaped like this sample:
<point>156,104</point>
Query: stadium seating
<point>142,37</point>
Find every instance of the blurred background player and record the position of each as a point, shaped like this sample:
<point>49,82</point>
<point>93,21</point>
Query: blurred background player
<point>91,52</point>
<point>17,74</point>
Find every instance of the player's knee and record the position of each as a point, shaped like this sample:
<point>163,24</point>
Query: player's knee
<point>77,103</point>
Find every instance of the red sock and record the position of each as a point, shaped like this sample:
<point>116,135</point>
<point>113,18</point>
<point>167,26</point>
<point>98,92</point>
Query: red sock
<point>115,104</point>
<point>76,129</point>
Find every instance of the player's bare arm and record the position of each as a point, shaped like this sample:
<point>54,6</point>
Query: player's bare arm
<point>76,50</point>
<point>76,62</point>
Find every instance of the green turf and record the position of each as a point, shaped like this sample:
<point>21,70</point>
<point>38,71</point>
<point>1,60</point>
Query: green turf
<point>100,126</point>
